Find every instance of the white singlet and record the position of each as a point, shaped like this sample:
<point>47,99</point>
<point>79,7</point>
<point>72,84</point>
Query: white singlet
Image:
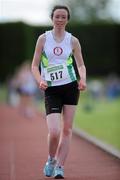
<point>57,69</point>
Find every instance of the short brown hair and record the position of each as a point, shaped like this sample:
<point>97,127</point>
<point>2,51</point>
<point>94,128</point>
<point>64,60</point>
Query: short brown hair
<point>60,7</point>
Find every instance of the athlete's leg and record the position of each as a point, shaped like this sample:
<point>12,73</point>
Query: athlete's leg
<point>63,148</point>
<point>53,123</point>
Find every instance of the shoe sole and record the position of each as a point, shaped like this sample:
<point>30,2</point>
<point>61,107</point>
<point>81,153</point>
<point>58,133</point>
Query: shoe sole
<point>59,177</point>
<point>47,175</point>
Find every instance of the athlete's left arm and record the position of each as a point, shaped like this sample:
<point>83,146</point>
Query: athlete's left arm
<point>80,62</point>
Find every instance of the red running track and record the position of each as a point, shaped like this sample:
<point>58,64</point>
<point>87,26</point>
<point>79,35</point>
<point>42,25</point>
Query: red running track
<point>23,152</point>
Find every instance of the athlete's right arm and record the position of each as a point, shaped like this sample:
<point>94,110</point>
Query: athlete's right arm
<point>36,61</point>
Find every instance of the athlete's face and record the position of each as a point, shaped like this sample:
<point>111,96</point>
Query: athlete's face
<point>60,18</point>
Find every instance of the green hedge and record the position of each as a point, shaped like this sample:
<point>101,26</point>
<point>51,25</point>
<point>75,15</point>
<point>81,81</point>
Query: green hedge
<point>12,45</point>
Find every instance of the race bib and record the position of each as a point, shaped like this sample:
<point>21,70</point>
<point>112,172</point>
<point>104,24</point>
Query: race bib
<point>56,72</point>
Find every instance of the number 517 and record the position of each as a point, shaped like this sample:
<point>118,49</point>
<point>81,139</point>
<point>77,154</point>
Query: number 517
<point>56,75</point>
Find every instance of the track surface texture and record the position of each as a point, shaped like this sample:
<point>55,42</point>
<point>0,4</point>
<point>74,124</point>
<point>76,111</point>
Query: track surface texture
<point>23,151</point>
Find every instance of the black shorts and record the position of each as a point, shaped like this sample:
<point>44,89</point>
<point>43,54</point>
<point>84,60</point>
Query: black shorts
<point>57,96</point>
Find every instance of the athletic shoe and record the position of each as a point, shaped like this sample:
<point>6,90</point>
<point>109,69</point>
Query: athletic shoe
<point>58,172</point>
<point>49,167</point>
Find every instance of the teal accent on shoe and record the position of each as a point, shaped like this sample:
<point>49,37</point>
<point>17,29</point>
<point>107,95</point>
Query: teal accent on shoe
<point>58,173</point>
<point>49,167</point>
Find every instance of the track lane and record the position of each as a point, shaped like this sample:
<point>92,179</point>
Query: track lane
<point>23,152</point>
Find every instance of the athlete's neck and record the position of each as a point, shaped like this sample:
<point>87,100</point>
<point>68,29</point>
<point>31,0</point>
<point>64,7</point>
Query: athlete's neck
<point>58,34</point>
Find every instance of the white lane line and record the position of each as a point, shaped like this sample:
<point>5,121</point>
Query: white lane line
<point>12,161</point>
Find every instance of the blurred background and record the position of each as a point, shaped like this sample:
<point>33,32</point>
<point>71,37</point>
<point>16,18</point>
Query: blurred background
<point>97,25</point>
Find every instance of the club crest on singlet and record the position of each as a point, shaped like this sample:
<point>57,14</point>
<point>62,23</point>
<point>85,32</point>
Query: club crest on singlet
<point>57,51</point>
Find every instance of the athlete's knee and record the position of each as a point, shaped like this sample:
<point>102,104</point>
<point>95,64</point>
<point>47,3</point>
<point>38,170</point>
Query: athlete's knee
<point>54,133</point>
<point>67,131</point>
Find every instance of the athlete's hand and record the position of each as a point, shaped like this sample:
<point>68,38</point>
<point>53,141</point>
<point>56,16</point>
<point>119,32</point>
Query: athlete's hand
<point>43,85</point>
<point>82,85</point>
